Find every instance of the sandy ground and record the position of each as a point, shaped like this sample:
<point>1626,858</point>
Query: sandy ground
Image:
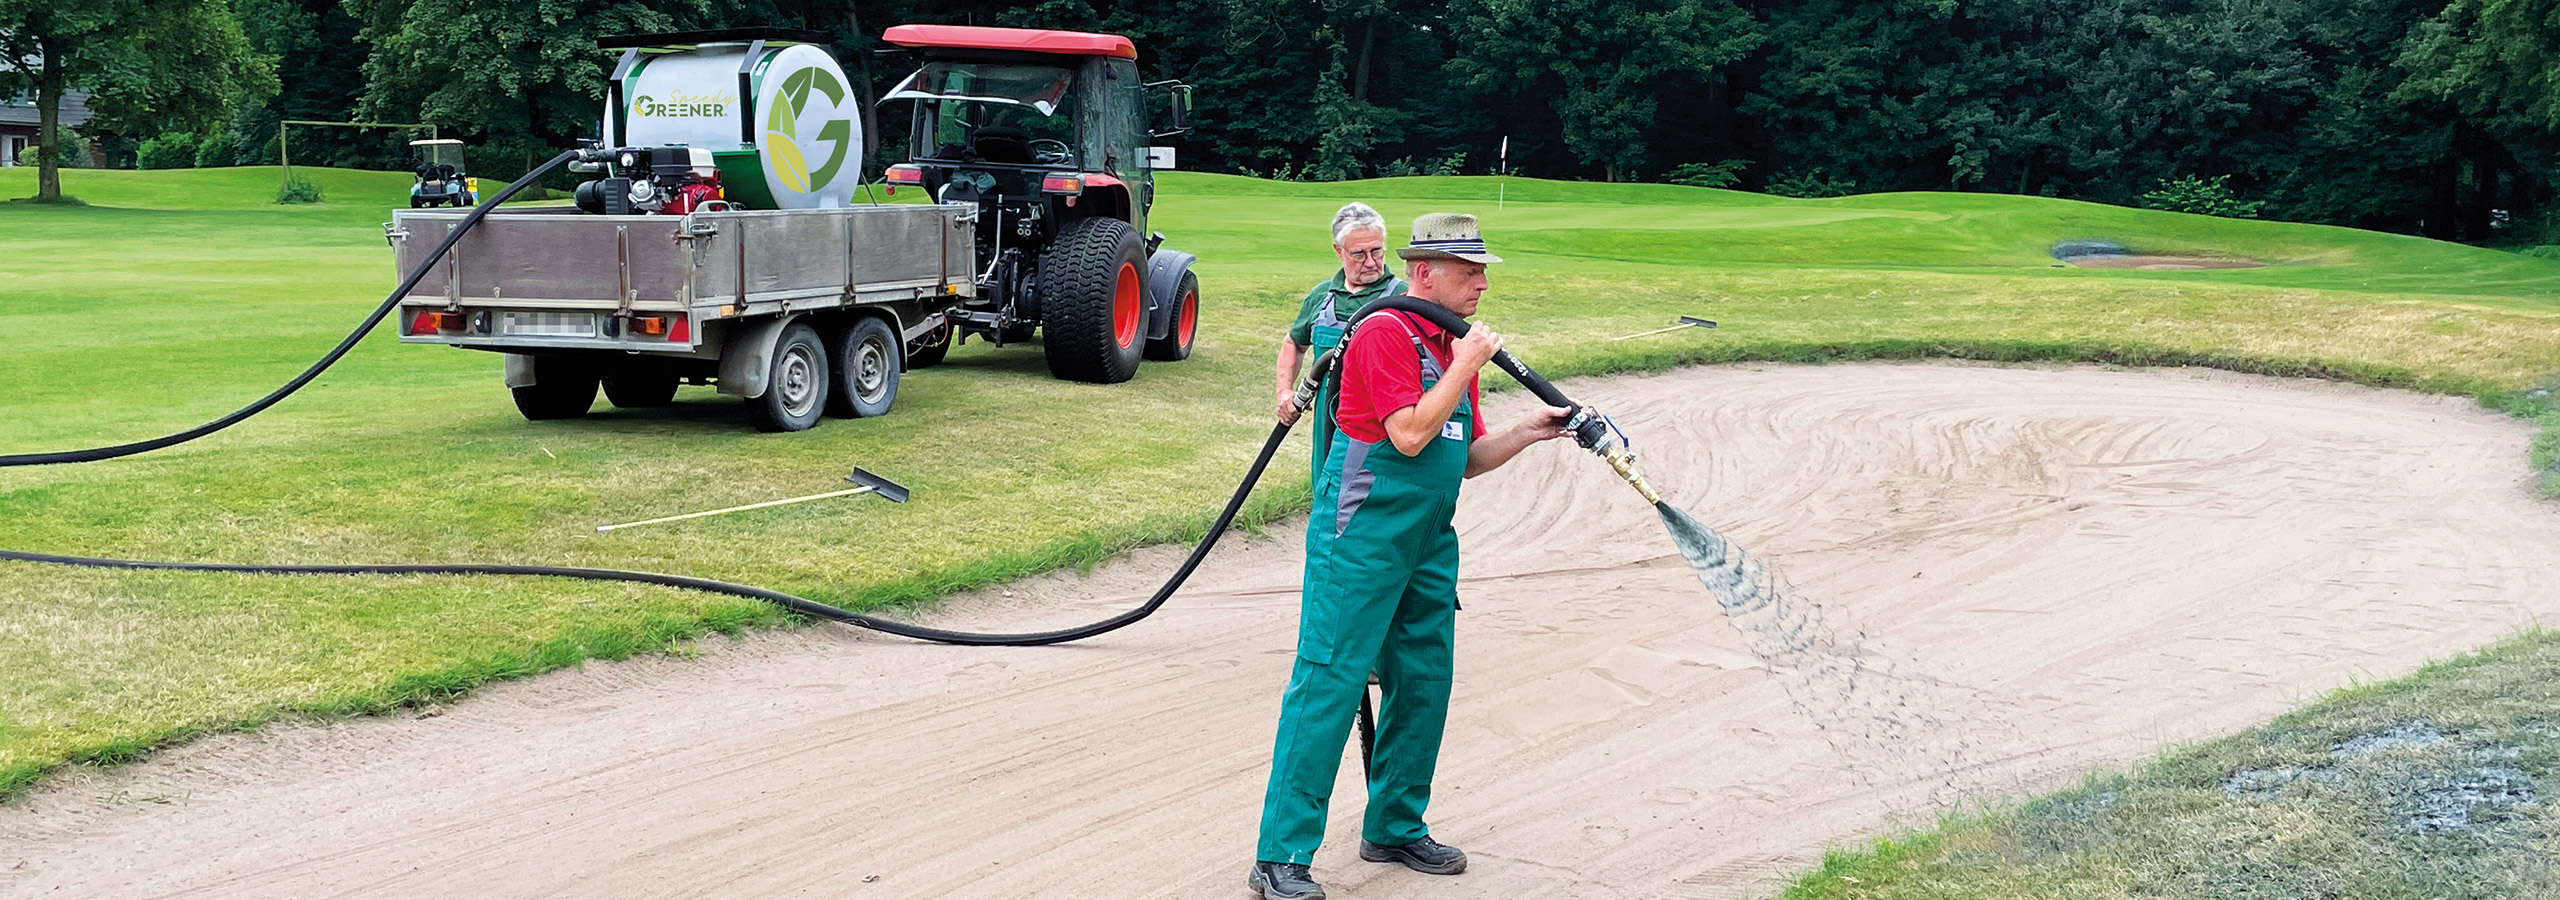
<point>2059,569</point>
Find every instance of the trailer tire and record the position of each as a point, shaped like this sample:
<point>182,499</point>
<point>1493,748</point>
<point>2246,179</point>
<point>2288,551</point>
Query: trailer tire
<point>795,392</point>
<point>562,388</point>
<point>929,350</point>
<point>641,391</point>
<point>1091,301</point>
<point>1175,345</point>
<point>866,363</point>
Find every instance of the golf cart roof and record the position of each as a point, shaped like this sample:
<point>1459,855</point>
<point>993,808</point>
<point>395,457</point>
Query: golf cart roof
<point>1032,40</point>
<point>435,141</point>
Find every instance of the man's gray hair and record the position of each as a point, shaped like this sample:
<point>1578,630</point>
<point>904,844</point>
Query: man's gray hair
<point>1354,216</point>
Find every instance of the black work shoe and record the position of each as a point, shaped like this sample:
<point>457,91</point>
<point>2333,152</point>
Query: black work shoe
<point>1427,856</point>
<point>1284,881</point>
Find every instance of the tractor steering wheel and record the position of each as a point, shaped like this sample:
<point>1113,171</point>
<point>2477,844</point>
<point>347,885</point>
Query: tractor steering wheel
<point>1050,151</point>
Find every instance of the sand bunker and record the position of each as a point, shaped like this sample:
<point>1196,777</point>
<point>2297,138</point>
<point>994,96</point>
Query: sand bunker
<point>2162,262</point>
<point>2111,255</point>
<point>2050,569</point>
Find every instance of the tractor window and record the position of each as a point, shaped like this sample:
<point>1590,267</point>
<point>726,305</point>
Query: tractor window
<point>995,112</point>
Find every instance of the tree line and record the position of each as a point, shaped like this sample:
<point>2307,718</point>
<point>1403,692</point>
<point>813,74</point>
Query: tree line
<point>2439,117</point>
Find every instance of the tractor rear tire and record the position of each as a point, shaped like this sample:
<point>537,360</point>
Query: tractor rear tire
<point>562,388</point>
<point>1175,345</point>
<point>795,389</point>
<point>929,350</point>
<point>866,361</point>
<point>641,391</point>
<point>1091,302</point>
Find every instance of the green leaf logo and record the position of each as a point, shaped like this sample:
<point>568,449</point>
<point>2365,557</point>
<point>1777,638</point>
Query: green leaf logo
<point>789,161</point>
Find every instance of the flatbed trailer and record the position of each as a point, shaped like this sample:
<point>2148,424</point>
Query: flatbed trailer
<point>798,311</point>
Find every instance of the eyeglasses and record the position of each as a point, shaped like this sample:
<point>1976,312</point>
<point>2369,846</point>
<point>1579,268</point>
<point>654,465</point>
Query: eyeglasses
<point>1380,253</point>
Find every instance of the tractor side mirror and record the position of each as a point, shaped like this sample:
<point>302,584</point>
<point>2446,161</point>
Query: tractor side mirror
<point>1180,95</point>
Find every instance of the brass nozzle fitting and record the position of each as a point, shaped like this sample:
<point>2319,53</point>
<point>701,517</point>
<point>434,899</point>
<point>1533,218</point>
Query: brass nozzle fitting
<point>1625,464</point>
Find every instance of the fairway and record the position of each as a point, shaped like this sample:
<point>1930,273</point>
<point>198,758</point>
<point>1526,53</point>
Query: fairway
<point>177,296</point>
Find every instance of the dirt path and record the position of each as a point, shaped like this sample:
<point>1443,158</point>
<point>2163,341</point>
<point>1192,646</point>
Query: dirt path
<point>2061,568</point>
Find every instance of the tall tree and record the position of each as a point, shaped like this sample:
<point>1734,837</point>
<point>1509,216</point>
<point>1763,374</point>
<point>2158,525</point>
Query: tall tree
<point>1600,65</point>
<point>522,78</point>
<point>172,65</point>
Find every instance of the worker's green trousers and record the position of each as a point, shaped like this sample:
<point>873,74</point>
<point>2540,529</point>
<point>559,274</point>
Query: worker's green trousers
<point>1381,595</point>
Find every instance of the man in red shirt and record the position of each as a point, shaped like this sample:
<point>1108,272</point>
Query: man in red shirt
<point>1381,588</point>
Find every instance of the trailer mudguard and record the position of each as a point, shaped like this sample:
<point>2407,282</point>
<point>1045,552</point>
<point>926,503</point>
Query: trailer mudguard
<point>746,357</point>
<point>1164,277</point>
<point>519,370</point>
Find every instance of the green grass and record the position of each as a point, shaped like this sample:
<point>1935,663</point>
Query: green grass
<point>2352,796</point>
<point>175,296</point>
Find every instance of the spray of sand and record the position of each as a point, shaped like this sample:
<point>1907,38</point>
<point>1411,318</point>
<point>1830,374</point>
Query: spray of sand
<point>1894,727</point>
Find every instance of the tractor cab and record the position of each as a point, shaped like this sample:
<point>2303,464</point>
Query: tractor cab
<point>441,181</point>
<point>1047,133</point>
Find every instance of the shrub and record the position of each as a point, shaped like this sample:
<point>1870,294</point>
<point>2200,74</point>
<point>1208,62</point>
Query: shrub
<point>1809,183</point>
<point>168,151</point>
<point>1707,175</point>
<point>297,189</point>
<point>1399,167</point>
<point>1452,164</point>
<point>216,150</point>
<point>2209,197</point>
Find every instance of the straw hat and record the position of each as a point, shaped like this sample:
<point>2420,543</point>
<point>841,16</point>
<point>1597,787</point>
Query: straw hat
<point>1447,236</point>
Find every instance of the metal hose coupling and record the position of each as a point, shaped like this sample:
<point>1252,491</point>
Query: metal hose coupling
<point>1598,433</point>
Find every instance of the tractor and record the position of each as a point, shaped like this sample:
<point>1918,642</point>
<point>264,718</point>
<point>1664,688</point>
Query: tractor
<point>1046,133</point>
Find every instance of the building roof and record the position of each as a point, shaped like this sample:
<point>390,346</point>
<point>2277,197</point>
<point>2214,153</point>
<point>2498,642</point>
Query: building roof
<point>1035,40</point>
<point>21,109</point>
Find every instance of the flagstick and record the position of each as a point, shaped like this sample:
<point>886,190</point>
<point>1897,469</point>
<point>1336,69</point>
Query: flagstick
<point>1502,175</point>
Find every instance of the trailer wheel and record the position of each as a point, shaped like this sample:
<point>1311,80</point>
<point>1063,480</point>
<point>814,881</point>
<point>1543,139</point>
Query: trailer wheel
<point>866,362</point>
<point>641,391</point>
<point>1175,345</point>
<point>928,351</point>
<point>1090,301</point>
<point>796,391</point>
<point>562,388</point>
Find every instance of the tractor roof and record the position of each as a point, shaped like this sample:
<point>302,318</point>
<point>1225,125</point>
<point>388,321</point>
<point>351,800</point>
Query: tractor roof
<point>1034,40</point>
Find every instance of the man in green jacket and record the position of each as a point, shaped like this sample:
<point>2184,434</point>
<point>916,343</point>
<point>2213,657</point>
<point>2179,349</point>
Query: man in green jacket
<point>1360,242</point>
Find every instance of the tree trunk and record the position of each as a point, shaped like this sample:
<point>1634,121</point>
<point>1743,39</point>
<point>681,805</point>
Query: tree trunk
<point>48,126</point>
<point>862,85</point>
<point>1360,75</point>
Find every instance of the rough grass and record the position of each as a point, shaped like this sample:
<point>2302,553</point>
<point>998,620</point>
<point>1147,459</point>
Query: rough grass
<point>177,295</point>
<point>2437,785</point>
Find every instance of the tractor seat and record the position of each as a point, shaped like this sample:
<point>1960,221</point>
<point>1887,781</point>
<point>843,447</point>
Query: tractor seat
<point>1002,144</point>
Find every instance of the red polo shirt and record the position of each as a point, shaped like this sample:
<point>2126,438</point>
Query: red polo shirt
<point>1382,374</point>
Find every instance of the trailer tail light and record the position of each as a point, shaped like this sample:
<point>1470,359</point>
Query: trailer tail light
<point>1062,184</point>
<point>904,174</point>
<point>431,321</point>
<point>652,326</point>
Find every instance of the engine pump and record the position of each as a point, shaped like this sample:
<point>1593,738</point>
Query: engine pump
<point>672,180</point>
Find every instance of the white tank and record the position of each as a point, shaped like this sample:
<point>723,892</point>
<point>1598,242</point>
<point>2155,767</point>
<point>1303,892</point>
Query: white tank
<point>803,147</point>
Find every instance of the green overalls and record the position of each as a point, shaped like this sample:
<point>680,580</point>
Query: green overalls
<point>1320,326</point>
<point>1381,594</point>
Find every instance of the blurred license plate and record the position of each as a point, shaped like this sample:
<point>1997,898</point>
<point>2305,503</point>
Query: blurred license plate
<point>549,324</point>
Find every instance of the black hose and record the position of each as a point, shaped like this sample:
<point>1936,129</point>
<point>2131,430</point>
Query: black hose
<point>801,605</point>
<point>94,454</point>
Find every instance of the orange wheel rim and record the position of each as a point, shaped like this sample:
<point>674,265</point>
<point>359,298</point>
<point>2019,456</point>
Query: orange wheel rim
<point>1124,307</point>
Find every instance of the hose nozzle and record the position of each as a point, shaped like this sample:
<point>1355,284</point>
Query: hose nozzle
<point>1624,462</point>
